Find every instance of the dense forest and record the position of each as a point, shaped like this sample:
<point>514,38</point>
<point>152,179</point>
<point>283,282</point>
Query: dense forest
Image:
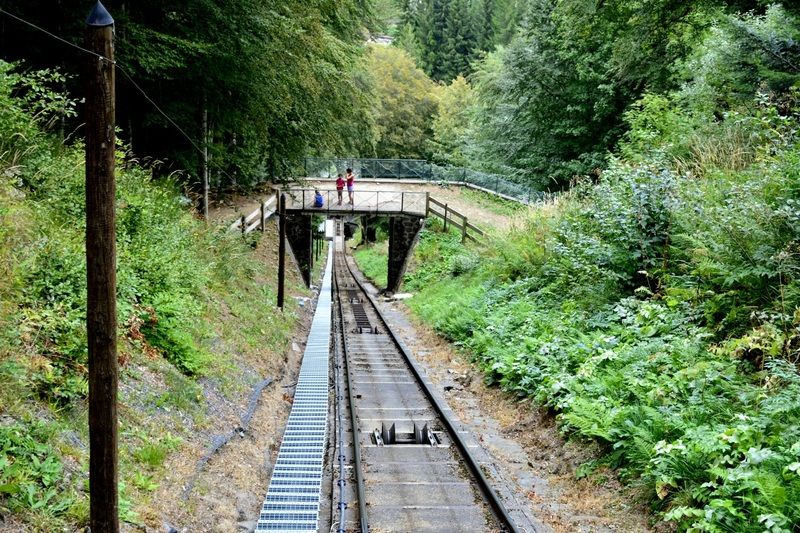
<point>536,90</point>
<point>653,306</point>
<point>275,79</point>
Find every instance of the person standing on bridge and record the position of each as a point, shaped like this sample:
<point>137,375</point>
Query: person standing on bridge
<point>350,180</point>
<point>318,200</point>
<point>339,187</point>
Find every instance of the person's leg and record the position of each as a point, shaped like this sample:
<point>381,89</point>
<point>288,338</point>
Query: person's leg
<point>339,192</point>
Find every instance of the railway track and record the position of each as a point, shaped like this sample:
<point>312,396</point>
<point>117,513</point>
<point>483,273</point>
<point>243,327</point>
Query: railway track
<point>412,468</point>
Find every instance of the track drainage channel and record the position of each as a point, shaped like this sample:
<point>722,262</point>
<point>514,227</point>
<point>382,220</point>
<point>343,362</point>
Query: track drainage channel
<point>363,325</point>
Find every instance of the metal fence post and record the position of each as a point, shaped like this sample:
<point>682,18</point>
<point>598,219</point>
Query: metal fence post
<point>445,217</point>
<point>281,248</point>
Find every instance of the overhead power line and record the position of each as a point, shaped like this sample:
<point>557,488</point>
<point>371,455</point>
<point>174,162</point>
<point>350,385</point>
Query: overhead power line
<point>124,73</point>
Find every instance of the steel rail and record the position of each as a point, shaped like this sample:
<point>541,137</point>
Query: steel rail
<point>340,424</point>
<point>489,493</point>
<point>360,489</point>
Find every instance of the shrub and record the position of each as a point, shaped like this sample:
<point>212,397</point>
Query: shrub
<point>30,472</point>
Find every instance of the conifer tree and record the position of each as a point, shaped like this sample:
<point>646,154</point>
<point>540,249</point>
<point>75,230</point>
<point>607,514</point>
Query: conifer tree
<point>482,14</point>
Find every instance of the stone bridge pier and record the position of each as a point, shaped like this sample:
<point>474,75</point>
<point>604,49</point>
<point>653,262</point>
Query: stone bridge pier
<point>403,235</point>
<point>300,237</point>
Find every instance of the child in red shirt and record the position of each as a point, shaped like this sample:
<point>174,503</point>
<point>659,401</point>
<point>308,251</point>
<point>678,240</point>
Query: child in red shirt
<point>339,187</point>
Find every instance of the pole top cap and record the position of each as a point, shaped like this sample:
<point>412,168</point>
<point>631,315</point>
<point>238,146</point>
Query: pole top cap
<point>99,17</point>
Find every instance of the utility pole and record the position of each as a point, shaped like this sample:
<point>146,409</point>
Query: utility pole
<point>281,248</point>
<point>101,307</point>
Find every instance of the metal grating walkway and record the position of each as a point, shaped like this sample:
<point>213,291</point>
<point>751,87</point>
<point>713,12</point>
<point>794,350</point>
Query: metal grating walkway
<point>292,502</point>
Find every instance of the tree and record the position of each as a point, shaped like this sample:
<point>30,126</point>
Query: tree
<point>406,102</point>
<point>452,131</point>
<point>460,41</point>
<point>430,23</point>
<point>406,39</point>
<point>551,104</point>
<point>504,20</point>
<point>482,12</point>
<point>277,78</point>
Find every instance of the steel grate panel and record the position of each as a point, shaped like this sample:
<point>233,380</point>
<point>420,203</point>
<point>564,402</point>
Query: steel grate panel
<point>292,500</point>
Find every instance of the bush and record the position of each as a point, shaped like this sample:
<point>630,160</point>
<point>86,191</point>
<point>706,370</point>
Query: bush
<point>30,472</point>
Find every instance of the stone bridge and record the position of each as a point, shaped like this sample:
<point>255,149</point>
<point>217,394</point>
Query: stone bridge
<point>406,212</point>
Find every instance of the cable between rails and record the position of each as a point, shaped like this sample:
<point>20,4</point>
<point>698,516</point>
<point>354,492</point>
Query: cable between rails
<point>360,489</point>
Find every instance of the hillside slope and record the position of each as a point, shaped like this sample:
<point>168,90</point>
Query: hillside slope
<point>198,335</point>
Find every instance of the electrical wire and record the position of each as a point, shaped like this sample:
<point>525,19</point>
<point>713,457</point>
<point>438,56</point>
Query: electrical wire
<point>155,105</point>
<point>54,36</point>
<point>127,76</point>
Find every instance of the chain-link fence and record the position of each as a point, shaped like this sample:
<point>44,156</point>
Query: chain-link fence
<point>317,167</point>
<point>417,169</point>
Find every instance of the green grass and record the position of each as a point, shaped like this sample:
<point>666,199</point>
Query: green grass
<point>493,203</point>
<point>153,454</point>
<point>372,260</point>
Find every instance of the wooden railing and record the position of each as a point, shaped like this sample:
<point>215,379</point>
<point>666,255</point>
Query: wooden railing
<point>258,218</point>
<point>447,214</point>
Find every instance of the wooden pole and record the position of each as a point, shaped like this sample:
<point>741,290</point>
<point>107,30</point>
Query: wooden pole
<point>281,248</point>
<point>263,215</point>
<point>101,305</point>
<point>205,160</point>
